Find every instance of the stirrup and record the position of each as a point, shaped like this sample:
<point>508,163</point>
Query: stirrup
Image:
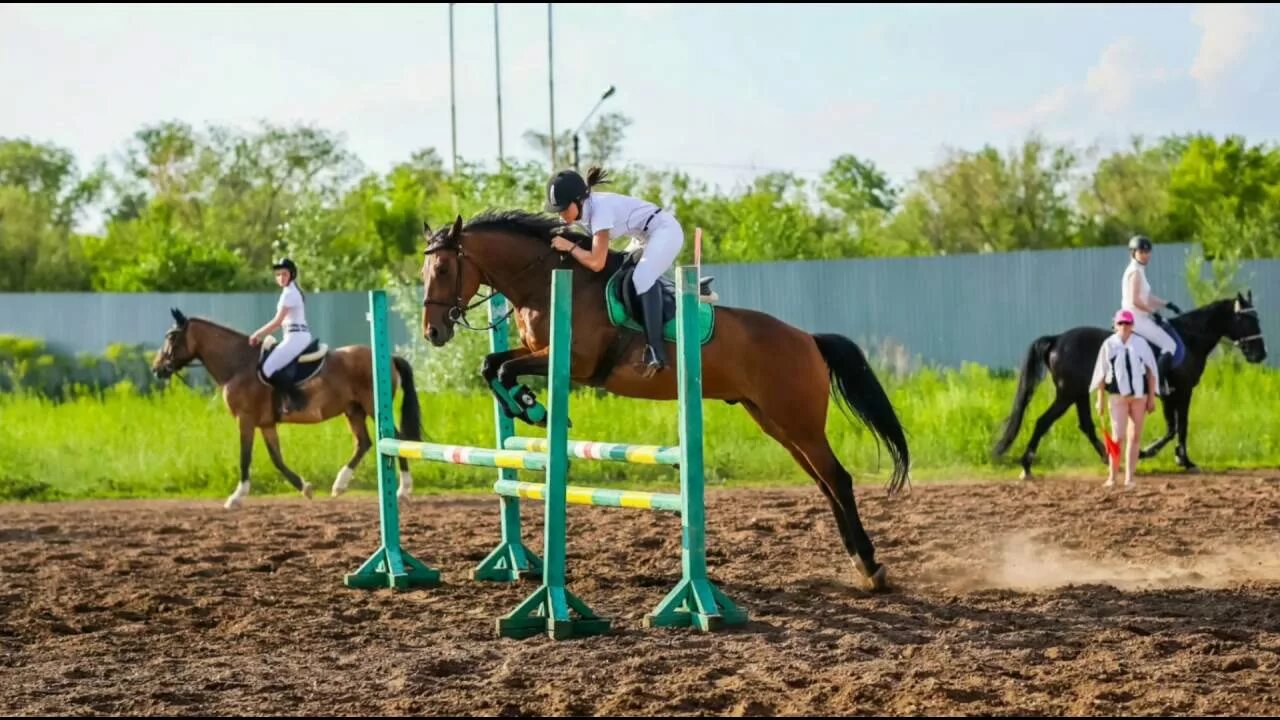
<point>651,364</point>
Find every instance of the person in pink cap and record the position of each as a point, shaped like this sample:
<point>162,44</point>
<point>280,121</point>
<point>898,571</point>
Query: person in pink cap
<point>1126,370</point>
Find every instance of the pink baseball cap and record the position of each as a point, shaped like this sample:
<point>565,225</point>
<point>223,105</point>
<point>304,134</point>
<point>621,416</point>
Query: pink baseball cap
<point>1123,316</point>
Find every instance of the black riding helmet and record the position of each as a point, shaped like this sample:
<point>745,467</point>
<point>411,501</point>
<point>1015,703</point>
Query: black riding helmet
<point>566,188</point>
<point>1139,242</point>
<point>286,264</point>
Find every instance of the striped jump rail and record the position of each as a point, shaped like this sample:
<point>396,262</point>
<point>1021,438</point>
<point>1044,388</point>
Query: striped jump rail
<point>576,495</point>
<point>620,452</point>
<point>464,455</point>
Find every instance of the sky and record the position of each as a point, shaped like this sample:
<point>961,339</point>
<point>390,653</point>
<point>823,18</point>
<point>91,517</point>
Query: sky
<point>724,93</point>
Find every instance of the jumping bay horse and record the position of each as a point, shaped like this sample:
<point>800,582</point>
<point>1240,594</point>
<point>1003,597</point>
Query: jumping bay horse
<point>1071,355</point>
<point>782,375</point>
<point>342,386</point>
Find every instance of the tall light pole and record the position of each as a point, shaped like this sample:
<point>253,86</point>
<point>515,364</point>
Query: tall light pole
<point>607,94</point>
<point>551,89</point>
<point>497,66</point>
<point>453,103</point>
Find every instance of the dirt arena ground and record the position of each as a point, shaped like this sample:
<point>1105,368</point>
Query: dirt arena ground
<point>1032,598</point>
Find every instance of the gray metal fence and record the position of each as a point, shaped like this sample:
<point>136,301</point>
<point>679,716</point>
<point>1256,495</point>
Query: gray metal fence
<point>940,310</point>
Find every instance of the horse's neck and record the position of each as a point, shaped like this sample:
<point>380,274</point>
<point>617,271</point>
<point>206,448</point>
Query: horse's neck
<point>1202,329</point>
<point>524,278</point>
<point>224,352</point>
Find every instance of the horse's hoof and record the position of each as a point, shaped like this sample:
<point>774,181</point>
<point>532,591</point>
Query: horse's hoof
<point>1025,474</point>
<point>879,582</point>
<point>232,502</point>
<point>308,490</point>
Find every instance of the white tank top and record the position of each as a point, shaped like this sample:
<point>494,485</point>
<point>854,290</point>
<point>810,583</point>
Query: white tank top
<point>1144,288</point>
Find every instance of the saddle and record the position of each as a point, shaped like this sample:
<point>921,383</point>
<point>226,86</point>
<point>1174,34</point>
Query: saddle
<point>302,369</point>
<point>625,307</point>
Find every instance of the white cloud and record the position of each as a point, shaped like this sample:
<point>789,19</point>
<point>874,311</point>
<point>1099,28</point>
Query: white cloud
<point>1119,74</point>
<point>1228,31</point>
<point>1044,109</point>
<point>1111,84</point>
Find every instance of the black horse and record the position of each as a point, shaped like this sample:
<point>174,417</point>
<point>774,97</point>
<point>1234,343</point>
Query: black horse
<point>1071,356</point>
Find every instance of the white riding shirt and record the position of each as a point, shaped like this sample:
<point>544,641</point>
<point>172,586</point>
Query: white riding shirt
<point>621,215</point>
<point>295,318</point>
<point>1144,288</point>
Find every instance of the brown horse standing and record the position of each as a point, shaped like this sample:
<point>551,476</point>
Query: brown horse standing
<point>780,374</point>
<point>343,386</point>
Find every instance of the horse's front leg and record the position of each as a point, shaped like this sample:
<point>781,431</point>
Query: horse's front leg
<point>246,459</point>
<point>530,363</point>
<point>516,401</point>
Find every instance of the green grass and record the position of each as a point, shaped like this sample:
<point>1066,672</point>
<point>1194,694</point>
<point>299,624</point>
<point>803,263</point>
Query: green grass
<point>184,443</point>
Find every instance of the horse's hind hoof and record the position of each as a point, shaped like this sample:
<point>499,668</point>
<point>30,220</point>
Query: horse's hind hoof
<point>308,490</point>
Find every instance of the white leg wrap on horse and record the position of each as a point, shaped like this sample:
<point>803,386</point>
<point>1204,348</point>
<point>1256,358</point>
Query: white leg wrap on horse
<point>343,480</point>
<point>238,496</point>
<point>406,484</point>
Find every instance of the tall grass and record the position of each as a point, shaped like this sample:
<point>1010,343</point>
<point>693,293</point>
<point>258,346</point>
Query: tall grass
<point>182,442</point>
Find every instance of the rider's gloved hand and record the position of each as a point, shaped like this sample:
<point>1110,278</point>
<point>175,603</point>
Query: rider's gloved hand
<point>1174,308</point>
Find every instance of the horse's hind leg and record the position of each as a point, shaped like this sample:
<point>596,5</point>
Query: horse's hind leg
<point>272,439</point>
<point>774,432</point>
<point>1085,416</point>
<point>804,436</point>
<point>360,430</point>
<point>1043,423</point>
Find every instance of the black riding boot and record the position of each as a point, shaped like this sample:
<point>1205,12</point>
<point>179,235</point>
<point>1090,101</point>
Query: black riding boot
<point>655,355</point>
<point>1165,364</point>
<point>287,396</point>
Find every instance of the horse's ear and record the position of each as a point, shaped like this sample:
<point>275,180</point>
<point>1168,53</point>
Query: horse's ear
<point>178,317</point>
<point>426,229</point>
<point>1249,297</point>
<point>455,234</point>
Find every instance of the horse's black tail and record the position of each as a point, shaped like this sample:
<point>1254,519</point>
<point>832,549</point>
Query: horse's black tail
<point>410,412</point>
<point>1033,367</point>
<point>854,385</point>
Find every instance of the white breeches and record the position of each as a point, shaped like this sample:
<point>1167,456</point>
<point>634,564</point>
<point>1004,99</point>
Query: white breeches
<point>666,239</point>
<point>1153,333</point>
<point>288,349</point>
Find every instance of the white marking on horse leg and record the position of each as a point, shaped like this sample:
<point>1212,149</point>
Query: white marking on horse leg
<point>406,484</point>
<point>343,481</point>
<point>242,492</point>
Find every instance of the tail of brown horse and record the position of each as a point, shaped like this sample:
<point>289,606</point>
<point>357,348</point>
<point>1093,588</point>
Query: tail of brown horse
<point>855,388</point>
<point>410,411</point>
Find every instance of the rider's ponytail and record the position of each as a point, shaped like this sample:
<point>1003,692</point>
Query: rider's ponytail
<point>596,176</point>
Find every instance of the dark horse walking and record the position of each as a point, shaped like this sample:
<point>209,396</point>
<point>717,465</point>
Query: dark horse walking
<point>783,376</point>
<point>342,385</point>
<point>1071,356</point>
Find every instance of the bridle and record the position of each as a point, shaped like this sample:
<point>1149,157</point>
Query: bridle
<point>166,355</point>
<point>1239,342</point>
<point>458,309</point>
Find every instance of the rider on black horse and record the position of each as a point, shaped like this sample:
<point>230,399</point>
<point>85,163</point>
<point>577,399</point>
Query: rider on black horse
<point>1137,298</point>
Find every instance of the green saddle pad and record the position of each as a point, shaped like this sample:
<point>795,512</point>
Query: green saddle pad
<point>619,317</point>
